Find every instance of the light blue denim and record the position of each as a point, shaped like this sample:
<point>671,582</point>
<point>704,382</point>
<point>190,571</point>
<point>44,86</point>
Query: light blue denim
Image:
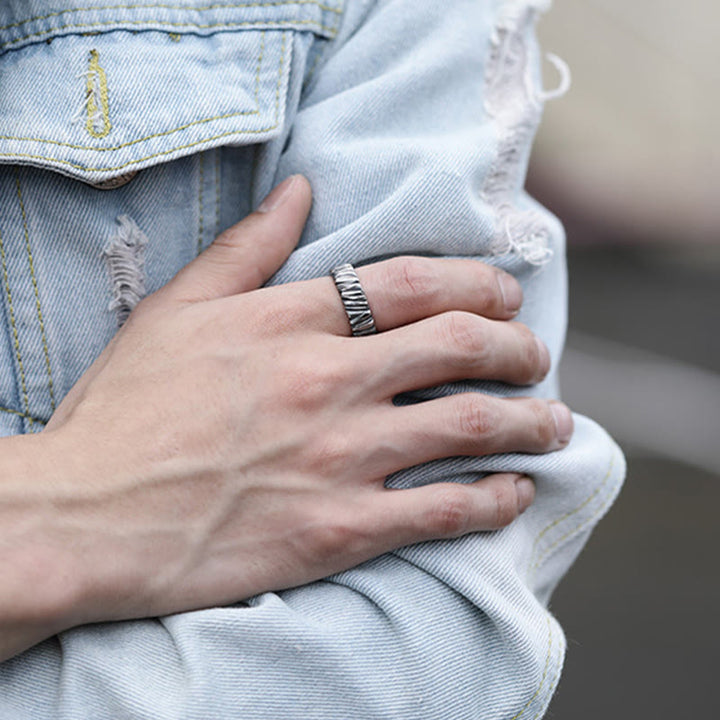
<point>413,121</point>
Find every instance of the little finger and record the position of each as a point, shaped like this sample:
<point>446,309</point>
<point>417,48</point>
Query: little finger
<point>450,510</point>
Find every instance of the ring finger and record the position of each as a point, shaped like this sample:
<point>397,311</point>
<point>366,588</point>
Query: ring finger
<point>469,424</point>
<point>407,289</point>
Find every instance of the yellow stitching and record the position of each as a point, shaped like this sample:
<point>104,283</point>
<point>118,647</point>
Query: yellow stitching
<point>545,671</point>
<point>95,75</point>
<point>38,306</point>
<point>132,142</point>
<point>279,80</point>
<point>12,412</point>
<point>553,686</point>
<point>218,6</point>
<point>147,137</point>
<point>22,415</point>
<point>569,514</point>
<point>171,150</point>
<point>16,339</point>
<point>117,24</point>
<point>175,37</point>
<point>165,132</point>
<point>139,160</point>
<point>576,530</point>
<point>201,180</point>
<point>257,72</point>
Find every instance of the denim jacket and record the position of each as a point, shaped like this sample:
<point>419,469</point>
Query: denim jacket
<point>130,135</point>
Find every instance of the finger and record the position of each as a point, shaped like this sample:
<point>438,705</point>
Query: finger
<point>449,510</point>
<point>406,289</point>
<point>452,346</point>
<point>468,424</point>
<point>243,257</point>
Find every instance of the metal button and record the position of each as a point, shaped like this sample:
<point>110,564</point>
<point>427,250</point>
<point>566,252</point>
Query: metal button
<point>114,183</point>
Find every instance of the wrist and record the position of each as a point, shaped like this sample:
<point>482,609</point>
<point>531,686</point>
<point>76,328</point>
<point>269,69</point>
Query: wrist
<point>41,590</point>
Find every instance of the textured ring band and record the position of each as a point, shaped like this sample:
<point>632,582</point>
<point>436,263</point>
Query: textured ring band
<point>354,300</point>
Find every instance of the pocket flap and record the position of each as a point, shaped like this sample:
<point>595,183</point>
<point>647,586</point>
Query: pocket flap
<point>98,105</point>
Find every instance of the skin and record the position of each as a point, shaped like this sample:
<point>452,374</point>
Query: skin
<point>233,440</point>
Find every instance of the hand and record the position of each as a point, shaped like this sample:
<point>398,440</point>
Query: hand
<point>233,440</point>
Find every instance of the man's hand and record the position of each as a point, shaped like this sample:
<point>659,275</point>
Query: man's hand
<point>233,440</point>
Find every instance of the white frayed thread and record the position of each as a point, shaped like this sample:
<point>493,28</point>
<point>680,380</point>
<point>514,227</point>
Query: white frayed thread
<point>528,236</point>
<point>90,78</point>
<point>542,96</point>
<point>94,110</point>
<point>515,103</point>
<point>125,255</point>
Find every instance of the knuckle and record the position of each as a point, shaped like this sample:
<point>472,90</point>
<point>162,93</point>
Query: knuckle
<point>506,503</point>
<point>544,423</point>
<point>477,417</point>
<point>531,365</point>
<point>450,515</point>
<point>487,292</point>
<point>313,385</point>
<point>415,279</point>
<point>332,455</point>
<point>332,538</point>
<point>464,333</point>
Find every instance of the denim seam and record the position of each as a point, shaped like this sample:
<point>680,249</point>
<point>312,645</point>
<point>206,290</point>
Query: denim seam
<point>201,181</point>
<point>16,339</point>
<point>152,24</point>
<point>579,528</point>
<point>23,415</point>
<point>551,637</point>
<point>551,691</point>
<point>313,69</point>
<point>178,147</point>
<point>159,6</point>
<point>321,54</point>
<point>548,551</point>
<point>38,304</point>
<point>257,71</point>
<point>218,180</point>
<point>73,146</point>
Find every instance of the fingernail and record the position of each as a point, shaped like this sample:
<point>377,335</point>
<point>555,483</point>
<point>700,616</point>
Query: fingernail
<point>563,421</point>
<point>544,357</point>
<point>511,291</point>
<point>525,489</point>
<point>278,196</point>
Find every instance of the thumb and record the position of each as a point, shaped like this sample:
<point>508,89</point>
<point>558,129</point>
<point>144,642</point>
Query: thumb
<point>244,256</point>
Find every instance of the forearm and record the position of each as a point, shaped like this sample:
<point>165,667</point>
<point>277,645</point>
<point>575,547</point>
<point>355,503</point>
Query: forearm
<point>41,585</point>
<point>440,630</point>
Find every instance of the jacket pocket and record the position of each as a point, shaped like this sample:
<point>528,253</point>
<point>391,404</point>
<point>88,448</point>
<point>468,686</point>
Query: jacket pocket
<point>131,92</point>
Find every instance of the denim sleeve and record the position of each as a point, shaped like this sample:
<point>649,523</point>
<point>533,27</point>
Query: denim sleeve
<point>414,129</point>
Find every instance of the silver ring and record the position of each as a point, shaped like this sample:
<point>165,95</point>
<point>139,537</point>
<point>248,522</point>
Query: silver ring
<point>354,300</point>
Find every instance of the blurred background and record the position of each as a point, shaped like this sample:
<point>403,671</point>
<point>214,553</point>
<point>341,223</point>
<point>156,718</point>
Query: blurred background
<point>630,160</point>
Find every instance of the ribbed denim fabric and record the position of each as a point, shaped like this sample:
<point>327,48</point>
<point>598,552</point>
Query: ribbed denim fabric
<point>413,121</point>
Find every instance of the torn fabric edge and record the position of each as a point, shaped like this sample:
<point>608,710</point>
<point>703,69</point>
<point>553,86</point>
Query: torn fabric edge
<point>125,255</point>
<point>515,103</point>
